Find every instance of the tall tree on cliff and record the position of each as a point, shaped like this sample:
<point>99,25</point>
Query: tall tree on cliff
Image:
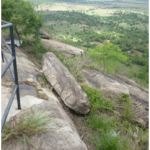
<point>24,18</point>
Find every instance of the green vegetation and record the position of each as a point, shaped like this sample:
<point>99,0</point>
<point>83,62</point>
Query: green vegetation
<point>30,45</point>
<point>26,127</point>
<point>122,36</point>
<point>44,79</point>
<point>113,131</point>
<point>92,29</point>
<point>96,99</point>
<point>127,108</point>
<point>108,55</point>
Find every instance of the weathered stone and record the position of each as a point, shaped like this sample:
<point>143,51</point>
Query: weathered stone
<point>64,84</point>
<point>44,35</point>
<point>42,95</point>
<point>138,95</point>
<point>61,133</point>
<point>63,47</point>
<point>103,82</point>
<point>113,85</point>
<point>130,82</point>
<point>26,69</point>
<point>8,84</point>
<point>30,81</point>
<point>68,55</point>
<point>38,88</point>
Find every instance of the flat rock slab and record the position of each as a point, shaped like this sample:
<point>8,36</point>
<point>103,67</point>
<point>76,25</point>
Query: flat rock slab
<point>113,85</point>
<point>44,35</point>
<point>62,133</point>
<point>26,69</point>
<point>132,83</point>
<point>63,47</point>
<point>100,81</point>
<point>64,84</point>
<point>138,95</point>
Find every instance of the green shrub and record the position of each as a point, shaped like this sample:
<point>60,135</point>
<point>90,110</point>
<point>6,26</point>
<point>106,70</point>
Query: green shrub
<point>96,99</point>
<point>99,123</point>
<point>110,141</point>
<point>127,107</point>
<point>143,138</point>
<point>40,56</point>
<point>25,41</point>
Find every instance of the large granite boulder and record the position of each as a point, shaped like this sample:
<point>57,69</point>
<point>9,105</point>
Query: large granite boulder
<point>44,35</point>
<point>64,84</point>
<point>26,69</point>
<point>62,133</point>
<point>65,48</point>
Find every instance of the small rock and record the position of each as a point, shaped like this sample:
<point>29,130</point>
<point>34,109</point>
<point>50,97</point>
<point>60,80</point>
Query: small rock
<point>38,88</point>
<point>42,95</point>
<point>8,84</point>
<point>30,81</point>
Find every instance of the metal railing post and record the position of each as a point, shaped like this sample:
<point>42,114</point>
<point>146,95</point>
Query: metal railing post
<point>15,66</point>
<point>2,56</point>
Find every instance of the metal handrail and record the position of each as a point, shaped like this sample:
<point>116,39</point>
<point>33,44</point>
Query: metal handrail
<point>14,75</point>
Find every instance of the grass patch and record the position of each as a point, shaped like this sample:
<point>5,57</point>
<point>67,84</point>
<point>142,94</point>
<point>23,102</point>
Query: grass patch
<point>127,108</point>
<point>26,127</point>
<point>108,141</point>
<point>99,123</point>
<point>111,131</point>
<point>106,137</point>
<point>96,99</point>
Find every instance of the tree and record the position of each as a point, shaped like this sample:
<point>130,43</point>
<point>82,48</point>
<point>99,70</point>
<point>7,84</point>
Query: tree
<point>22,15</point>
<point>109,55</point>
<point>33,28</point>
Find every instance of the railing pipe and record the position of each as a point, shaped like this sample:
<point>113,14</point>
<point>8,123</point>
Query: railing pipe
<point>15,75</point>
<point>8,107</point>
<point>15,65</point>
<point>7,66</point>
<point>3,54</point>
<point>7,46</point>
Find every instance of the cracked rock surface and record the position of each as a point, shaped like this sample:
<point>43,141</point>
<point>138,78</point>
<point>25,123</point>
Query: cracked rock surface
<point>64,84</point>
